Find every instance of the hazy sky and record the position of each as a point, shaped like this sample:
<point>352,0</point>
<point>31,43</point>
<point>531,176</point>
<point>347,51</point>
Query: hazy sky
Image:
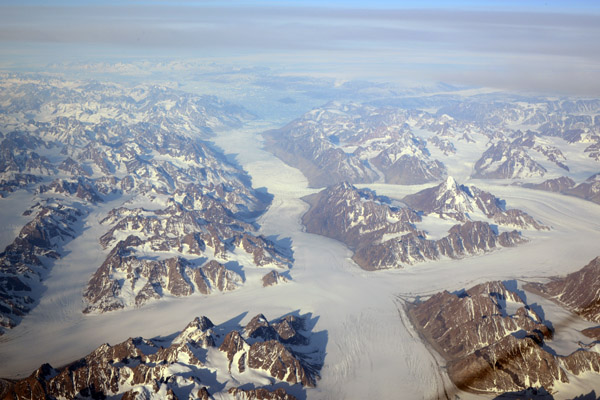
<point>551,46</point>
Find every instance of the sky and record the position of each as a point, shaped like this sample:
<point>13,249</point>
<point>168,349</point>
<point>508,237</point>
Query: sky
<point>547,46</point>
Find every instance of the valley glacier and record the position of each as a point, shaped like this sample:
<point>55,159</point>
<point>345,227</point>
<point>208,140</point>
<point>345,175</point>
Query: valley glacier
<point>372,350</point>
<point>130,211</point>
<point>299,200</point>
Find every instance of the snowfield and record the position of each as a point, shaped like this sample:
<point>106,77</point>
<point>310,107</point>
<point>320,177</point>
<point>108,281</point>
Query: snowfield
<point>372,351</point>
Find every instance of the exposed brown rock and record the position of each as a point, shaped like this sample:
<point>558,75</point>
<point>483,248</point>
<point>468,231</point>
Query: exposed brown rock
<point>273,278</point>
<point>268,351</point>
<point>378,137</point>
<point>451,200</point>
<point>260,394</point>
<point>264,252</point>
<point>507,160</point>
<point>460,325</point>
<point>578,291</point>
<point>405,169</point>
<point>487,349</point>
<point>203,394</point>
<point>143,149</point>
<point>178,282</point>
<point>510,364</point>
<point>593,333</point>
<point>279,362</point>
<point>81,188</point>
<point>288,329</point>
<point>232,345</point>
<point>589,189</point>
<point>219,277</point>
<point>355,216</point>
<point>557,185</point>
<point>179,227</point>
<point>259,327</point>
<point>21,264</point>
<point>462,240</point>
<point>383,236</point>
<point>136,363</point>
<point>175,275</point>
<point>581,361</point>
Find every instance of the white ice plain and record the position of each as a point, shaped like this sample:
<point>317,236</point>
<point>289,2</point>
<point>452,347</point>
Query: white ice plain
<point>371,349</point>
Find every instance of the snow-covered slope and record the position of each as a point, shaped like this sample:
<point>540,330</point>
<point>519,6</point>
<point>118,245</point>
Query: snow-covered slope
<point>449,200</point>
<point>355,143</point>
<point>201,361</point>
<point>383,236</point>
<point>182,216</point>
<point>371,350</point>
<point>494,342</point>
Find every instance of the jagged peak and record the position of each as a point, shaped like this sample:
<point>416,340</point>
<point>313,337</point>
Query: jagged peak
<point>594,178</point>
<point>197,330</point>
<point>259,319</point>
<point>452,188</point>
<point>259,327</point>
<point>450,184</point>
<point>202,323</point>
<point>345,185</point>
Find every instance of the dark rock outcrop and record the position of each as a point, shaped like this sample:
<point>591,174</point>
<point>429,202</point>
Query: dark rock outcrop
<point>273,278</point>
<point>260,394</point>
<point>579,291</point>
<point>587,190</point>
<point>161,368</point>
<point>150,279</point>
<point>383,236</point>
<point>354,143</point>
<point>507,160</point>
<point>76,144</point>
<point>451,200</point>
<point>493,342</point>
<point>136,363</point>
<point>26,261</point>
<point>264,346</point>
<point>558,185</point>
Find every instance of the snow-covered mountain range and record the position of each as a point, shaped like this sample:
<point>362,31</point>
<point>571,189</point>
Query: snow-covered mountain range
<point>385,236</point>
<point>201,361</point>
<point>124,217</point>
<point>494,342</point>
<point>183,213</point>
<point>524,139</point>
<point>355,143</point>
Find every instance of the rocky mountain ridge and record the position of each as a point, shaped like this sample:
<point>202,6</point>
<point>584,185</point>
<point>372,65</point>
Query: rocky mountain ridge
<point>384,236</point>
<point>188,365</point>
<point>450,200</point>
<point>578,291</point>
<point>522,139</point>
<point>25,263</point>
<point>493,342</point>
<point>73,146</point>
<point>587,190</point>
<point>507,160</point>
<point>354,143</point>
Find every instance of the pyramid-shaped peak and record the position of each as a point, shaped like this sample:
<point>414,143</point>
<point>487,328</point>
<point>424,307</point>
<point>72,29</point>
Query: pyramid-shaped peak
<point>345,185</point>
<point>450,183</point>
<point>259,327</point>
<point>203,323</point>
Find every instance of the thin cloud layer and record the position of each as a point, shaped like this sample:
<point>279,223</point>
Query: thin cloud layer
<point>547,51</point>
